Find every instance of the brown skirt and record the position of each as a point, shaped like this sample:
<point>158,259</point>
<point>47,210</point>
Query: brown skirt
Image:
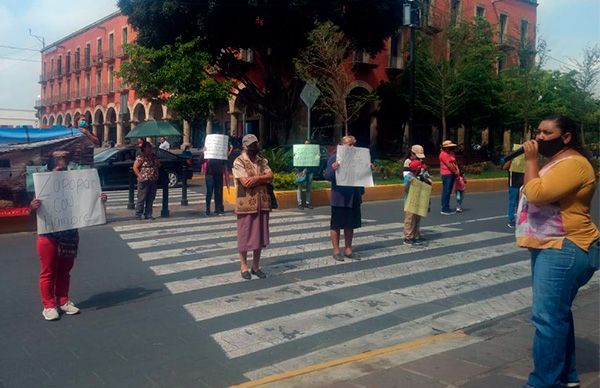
<point>252,231</point>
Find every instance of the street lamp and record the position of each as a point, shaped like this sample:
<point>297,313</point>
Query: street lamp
<point>411,18</point>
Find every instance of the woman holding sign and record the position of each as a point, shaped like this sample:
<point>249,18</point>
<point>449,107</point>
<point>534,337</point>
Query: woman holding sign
<point>57,252</point>
<point>345,207</point>
<point>252,206</point>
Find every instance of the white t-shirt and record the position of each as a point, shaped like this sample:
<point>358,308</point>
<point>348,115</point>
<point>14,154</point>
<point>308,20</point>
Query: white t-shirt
<point>164,145</point>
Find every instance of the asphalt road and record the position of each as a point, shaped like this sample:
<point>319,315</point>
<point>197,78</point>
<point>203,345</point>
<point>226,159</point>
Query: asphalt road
<point>163,303</point>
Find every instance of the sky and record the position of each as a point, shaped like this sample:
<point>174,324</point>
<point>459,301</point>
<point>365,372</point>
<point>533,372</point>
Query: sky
<point>568,26</point>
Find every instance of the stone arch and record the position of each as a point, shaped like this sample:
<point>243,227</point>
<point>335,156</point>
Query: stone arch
<point>88,116</point>
<point>100,109</point>
<point>45,121</point>
<point>76,117</point>
<point>110,121</point>
<point>359,84</point>
<point>68,119</point>
<point>59,119</point>
<point>51,120</point>
<point>138,113</point>
<point>156,111</point>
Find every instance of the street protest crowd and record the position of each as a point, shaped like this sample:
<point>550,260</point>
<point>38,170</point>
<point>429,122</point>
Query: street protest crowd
<point>548,207</point>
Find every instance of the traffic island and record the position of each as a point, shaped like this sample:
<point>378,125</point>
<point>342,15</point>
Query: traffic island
<point>320,197</point>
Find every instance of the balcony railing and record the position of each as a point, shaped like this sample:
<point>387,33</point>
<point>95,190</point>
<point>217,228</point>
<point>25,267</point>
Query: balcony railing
<point>122,52</point>
<point>87,63</point>
<point>38,103</point>
<point>109,55</point>
<point>396,63</point>
<point>362,59</point>
<point>98,60</point>
<point>43,78</point>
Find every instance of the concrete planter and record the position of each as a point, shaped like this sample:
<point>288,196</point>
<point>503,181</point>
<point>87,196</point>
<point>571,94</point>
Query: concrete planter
<point>320,197</point>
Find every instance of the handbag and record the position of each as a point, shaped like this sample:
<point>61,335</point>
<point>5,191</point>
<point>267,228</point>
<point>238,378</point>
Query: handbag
<point>271,191</point>
<point>301,177</point>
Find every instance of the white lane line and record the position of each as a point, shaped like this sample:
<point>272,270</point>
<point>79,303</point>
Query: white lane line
<point>307,225</point>
<point>155,205</point>
<point>304,264</point>
<point>193,221</point>
<point>418,328</point>
<point>166,269</point>
<point>213,228</point>
<point>456,318</point>
<point>232,304</point>
<point>215,246</point>
<point>252,338</point>
<point>474,220</point>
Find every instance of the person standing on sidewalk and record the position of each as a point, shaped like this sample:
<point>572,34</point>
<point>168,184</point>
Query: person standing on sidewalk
<point>555,224</point>
<point>252,205</point>
<point>57,252</point>
<point>145,168</point>
<point>345,207</point>
<point>214,175</point>
<point>516,174</point>
<point>449,172</point>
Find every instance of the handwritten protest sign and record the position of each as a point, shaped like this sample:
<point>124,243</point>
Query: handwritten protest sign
<point>306,155</point>
<point>216,147</point>
<point>417,201</point>
<point>70,200</point>
<point>518,163</point>
<point>355,167</point>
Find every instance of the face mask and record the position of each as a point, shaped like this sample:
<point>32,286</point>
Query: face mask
<point>82,124</point>
<point>252,151</point>
<point>549,148</point>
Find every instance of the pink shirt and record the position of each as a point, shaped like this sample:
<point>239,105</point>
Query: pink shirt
<point>446,159</point>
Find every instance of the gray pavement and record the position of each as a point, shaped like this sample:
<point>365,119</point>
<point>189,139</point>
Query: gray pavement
<point>163,303</point>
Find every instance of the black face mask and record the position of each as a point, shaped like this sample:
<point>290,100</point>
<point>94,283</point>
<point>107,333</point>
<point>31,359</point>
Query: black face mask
<point>549,148</point>
<point>253,151</point>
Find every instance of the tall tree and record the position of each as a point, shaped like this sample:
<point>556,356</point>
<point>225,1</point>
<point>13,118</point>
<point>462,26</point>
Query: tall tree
<point>275,30</point>
<point>176,75</point>
<point>587,76</point>
<point>324,63</point>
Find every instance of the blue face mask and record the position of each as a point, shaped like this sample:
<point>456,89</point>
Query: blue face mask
<point>82,123</point>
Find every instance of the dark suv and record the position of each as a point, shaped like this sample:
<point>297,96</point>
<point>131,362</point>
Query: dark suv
<point>114,164</point>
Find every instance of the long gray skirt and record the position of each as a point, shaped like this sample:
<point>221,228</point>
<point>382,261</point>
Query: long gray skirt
<point>252,231</point>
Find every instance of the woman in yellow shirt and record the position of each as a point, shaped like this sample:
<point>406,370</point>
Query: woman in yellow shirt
<point>554,222</point>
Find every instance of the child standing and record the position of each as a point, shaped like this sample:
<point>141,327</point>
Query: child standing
<point>459,188</point>
<point>412,230</point>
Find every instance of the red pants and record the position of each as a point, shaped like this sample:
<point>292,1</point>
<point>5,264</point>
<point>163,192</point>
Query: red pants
<point>54,273</point>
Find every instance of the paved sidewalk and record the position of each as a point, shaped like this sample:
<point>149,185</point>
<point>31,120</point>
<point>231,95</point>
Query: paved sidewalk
<point>493,356</point>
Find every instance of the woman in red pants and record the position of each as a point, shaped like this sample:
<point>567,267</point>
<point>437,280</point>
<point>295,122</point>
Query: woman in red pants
<point>57,252</point>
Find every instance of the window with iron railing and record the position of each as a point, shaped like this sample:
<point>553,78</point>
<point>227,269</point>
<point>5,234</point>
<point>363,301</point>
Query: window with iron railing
<point>68,62</point>
<point>77,87</point>
<point>87,56</point>
<point>59,66</point>
<point>502,25</point>
<point>111,79</point>
<point>77,59</point>
<point>68,90</point>
<point>111,45</point>
<point>99,83</point>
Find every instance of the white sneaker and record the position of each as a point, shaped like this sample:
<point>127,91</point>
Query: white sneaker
<point>50,314</point>
<point>69,308</point>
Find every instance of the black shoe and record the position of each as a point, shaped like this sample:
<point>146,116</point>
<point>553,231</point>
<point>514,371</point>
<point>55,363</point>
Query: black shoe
<point>138,217</point>
<point>259,273</point>
<point>300,207</point>
<point>207,214</point>
<point>246,275</point>
<point>309,206</point>
<point>408,242</point>
<point>149,218</point>
<point>337,257</point>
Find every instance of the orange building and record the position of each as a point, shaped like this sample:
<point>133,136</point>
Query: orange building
<point>78,76</point>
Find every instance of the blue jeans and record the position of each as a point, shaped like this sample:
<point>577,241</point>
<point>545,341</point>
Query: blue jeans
<point>447,185</point>
<point>513,203</point>
<point>557,275</point>
<point>214,184</point>
<point>307,185</point>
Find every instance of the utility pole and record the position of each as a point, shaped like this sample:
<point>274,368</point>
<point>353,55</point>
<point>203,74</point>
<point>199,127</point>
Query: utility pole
<point>40,39</point>
<point>411,19</point>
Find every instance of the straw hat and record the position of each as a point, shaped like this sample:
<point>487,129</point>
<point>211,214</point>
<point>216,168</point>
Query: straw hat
<point>448,144</point>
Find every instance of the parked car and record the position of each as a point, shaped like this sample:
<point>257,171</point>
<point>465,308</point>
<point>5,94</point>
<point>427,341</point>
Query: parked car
<point>322,163</point>
<point>114,164</point>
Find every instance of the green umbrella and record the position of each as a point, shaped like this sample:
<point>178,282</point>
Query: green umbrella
<point>154,128</point>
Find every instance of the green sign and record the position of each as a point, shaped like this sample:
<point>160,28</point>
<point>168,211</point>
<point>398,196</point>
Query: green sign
<point>306,155</point>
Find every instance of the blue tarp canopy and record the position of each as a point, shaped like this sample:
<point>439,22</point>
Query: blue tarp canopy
<point>20,135</point>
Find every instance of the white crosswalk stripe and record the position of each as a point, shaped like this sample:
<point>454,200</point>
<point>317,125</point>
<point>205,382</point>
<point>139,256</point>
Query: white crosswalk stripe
<point>119,199</point>
<point>458,279</point>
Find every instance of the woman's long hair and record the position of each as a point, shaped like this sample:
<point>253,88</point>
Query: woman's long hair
<point>566,125</point>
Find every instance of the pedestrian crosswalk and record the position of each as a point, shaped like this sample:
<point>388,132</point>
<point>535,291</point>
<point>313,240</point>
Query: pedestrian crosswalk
<point>313,309</point>
<point>118,199</point>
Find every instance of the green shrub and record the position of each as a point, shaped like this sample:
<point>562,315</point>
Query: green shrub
<point>387,168</point>
<point>475,168</point>
<point>279,159</point>
<point>284,181</point>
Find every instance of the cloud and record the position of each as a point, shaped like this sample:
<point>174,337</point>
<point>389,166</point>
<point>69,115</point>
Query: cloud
<point>52,19</point>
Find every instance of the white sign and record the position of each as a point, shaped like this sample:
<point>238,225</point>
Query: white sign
<point>309,94</point>
<point>307,155</point>
<point>69,200</point>
<point>355,167</point>
<point>216,147</point>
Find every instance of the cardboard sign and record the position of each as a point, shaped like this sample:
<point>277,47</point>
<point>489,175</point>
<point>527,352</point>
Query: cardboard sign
<point>70,200</point>
<point>307,155</point>
<point>216,147</point>
<point>417,201</point>
<point>518,163</point>
<point>355,167</point>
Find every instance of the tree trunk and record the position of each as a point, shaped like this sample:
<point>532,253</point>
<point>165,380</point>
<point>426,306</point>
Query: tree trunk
<point>444,133</point>
<point>582,134</point>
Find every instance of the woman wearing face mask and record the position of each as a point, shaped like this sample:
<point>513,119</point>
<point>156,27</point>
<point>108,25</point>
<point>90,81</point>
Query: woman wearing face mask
<point>253,204</point>
<point>345,207</point>
<point>554,223</point>
<point>57,252</point>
